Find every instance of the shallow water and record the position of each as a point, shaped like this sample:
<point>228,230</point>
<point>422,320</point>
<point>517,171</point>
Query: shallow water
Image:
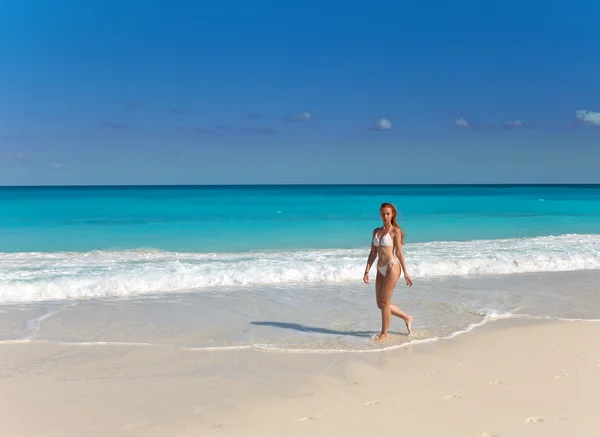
<point>334,317</point>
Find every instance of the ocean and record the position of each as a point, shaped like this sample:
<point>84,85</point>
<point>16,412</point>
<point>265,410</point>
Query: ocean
<point>280,267</point>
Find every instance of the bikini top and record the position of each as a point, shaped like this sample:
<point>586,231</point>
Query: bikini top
<point>386,240</point>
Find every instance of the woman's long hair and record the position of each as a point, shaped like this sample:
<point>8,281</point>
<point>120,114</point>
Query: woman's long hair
<point>394,223</point>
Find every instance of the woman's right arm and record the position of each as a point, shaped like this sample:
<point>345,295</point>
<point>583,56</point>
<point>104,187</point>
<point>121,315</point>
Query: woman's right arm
<point>372,256</point>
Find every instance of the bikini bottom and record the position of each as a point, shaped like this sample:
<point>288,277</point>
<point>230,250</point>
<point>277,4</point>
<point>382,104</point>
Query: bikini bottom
<point>383,269</point>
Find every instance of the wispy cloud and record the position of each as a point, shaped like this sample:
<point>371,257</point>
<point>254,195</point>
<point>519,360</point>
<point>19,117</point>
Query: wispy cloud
<point>381,124</point>
<point>299,118</point>
<point>56,164</point>
<point>175,111</point>
<point>222,130</point>
<point>513,123</point>
<point>588,117</point>
<point>203,130</point>
<point>112,125</point>
<point>15,138</point>
<point>461,123</point>
<point>18,157</point>
<point>257,130</point>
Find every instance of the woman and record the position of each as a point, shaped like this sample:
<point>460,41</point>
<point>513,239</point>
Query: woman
<point>386,244</point>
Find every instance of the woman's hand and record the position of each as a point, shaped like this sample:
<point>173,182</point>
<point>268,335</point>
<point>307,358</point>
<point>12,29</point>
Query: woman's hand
<point>366,277</point>
<point>407,279</point>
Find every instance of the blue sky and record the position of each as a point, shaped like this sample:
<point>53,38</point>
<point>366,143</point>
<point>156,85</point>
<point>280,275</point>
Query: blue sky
<point>183,92</point>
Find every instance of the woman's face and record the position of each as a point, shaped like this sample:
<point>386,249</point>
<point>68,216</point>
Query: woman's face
<point>386,214</point>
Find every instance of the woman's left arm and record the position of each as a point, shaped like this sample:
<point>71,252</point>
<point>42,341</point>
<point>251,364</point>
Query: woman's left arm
<point>400,255</point>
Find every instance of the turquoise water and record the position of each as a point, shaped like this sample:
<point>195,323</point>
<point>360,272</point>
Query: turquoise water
<point>281,266</point>
<point>239,219</point>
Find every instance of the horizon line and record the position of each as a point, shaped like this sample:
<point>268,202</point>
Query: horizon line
<point>504,184</point>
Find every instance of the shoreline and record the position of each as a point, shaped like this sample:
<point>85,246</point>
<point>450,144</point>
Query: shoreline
<point>282,319</point>
<point>535,376</point>
<point>487,323</point>
<point>387,346</point>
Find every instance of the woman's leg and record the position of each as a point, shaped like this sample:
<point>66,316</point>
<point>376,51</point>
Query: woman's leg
<point>379,299</point>
<point>379,288</point>
<point>389,282</point>
<point>385,288</point>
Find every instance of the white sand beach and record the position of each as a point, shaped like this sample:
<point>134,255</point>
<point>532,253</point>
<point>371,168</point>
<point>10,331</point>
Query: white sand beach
<point>508,378</point>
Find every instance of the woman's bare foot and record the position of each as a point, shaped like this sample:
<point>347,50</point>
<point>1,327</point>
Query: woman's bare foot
<point>408,322</point>
<point>382,337</point>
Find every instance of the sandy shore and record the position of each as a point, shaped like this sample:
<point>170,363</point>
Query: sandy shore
<point>509,378</point>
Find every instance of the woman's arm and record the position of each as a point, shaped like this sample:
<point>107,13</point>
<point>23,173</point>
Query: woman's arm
<point>372,256</point>
<point>400,255</point>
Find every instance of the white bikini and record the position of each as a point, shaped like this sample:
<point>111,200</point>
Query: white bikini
<point>386,241</point>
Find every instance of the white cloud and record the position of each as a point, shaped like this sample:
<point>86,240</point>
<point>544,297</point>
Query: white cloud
<point>382,124</point>
<point>462,123</point>
<point>14,137</point>
<point>588,117</point>
<point>515,123</point>
<point>305,116</point>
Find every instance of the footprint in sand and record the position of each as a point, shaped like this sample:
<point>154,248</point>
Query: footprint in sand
<point>434,372</point>
<point>534,419</point>
<point>307,418</point>
<point>453,396</point>
<point>369,403</point>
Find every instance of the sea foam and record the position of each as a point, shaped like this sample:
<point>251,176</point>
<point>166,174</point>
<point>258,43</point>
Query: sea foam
<point>29,277</point>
